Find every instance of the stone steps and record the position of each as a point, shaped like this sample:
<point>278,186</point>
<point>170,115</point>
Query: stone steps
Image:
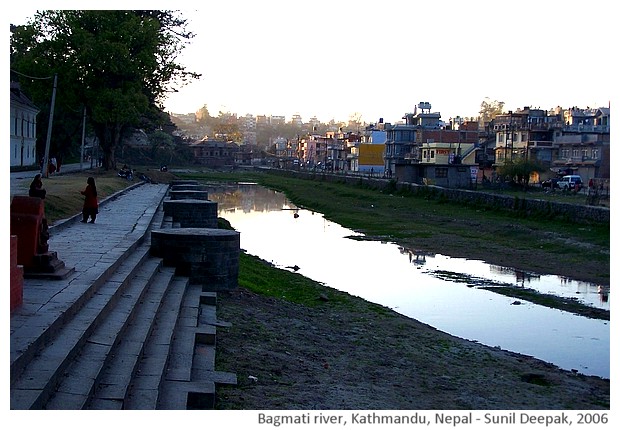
<point>108,359</point>
<point>139,336</point>
<point>38,381</point>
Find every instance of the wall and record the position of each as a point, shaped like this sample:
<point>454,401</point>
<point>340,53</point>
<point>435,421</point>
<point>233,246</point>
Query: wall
<point>565,211</point>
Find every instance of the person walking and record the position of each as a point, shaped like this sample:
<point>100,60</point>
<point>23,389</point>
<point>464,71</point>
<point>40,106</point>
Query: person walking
<point>36,187</point>
<point>91,206</point>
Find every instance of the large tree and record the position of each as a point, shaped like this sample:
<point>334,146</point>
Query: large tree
<point>117,64</point>
<point>489,109</point>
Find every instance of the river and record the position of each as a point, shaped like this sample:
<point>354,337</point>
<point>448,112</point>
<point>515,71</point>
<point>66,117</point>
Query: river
<point>435,289</point>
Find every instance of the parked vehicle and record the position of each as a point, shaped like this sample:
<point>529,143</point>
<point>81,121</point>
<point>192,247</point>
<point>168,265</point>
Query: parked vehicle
<point>570,182</point>
<point>126,173</point>
<point>550,183</point>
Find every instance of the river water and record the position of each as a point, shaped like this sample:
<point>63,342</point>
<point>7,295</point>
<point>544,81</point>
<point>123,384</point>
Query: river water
<point>435,289</point>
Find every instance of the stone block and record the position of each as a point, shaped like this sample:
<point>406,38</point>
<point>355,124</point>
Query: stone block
<point>208,256</point>
<point>192,213</point>
<point>188,194</point>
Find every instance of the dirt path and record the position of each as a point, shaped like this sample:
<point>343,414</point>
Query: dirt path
<point>330,356</point>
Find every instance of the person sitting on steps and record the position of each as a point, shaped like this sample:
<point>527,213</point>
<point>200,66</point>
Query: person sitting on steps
<point>36,187</point>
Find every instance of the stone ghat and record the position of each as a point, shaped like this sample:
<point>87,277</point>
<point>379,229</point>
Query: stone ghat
<point>208,256</point>
<point>190,213</point>
<point>191,241</point>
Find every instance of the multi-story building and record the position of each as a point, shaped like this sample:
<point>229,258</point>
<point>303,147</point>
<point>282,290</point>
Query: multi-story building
<point>23,128</point>
<point>277,120</point>
<point>426,150</point>
<point>296,119</point>
<point>214,153</point>
<point>402,142</point>
<point>583,143</point>
<point>526,134</point>
<point>248,128</point>
<point>566,141</point>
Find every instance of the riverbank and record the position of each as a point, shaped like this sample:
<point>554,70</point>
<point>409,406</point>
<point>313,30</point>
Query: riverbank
<point>297,344</point>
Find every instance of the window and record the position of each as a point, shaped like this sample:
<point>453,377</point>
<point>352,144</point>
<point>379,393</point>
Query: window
<point>441,172</point>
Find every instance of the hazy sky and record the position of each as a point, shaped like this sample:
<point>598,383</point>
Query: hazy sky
<point>331,59</point>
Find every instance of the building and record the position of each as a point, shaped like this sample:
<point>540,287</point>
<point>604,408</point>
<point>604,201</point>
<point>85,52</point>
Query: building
<point>297,120</point>
<point>425,150</point>
<point>370,158</point>
<point>23,128</point>
<point>583,144</point>
<point>566,141</point>
<point>402,140</point>
<point>526,134</point>
<point>214,153</point>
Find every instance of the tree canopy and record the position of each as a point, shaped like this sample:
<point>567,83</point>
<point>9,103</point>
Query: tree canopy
<point>489,109</point>
<point>117,64</point>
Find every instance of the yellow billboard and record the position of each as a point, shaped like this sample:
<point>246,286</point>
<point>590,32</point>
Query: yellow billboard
<point>371,154</point>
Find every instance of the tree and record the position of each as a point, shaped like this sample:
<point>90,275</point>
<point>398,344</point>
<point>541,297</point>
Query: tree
<point>203,117</point>
<point>118,64</point>
<point>490,109</point>
<point>355,122</point>
<point>520,171</point>
<point>162,145</point>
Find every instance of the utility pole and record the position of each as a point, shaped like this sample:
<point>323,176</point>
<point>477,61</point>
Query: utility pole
<point>83,135</point>
<point>45,167</point>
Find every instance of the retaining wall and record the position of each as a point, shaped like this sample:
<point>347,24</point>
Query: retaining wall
<point>565,211</point>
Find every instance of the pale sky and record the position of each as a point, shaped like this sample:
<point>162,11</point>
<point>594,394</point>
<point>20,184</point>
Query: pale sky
<point>331,59</point>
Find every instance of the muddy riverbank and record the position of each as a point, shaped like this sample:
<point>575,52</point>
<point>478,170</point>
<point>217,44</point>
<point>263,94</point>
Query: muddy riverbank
<point>341,352</point>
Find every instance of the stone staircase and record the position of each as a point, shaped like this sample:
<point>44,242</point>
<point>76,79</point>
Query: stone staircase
<point>140,338</point>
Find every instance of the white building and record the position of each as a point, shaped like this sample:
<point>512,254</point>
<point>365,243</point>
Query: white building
<point>23,128</point>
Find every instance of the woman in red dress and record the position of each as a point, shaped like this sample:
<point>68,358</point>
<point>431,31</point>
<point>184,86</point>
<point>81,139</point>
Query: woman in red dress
<point>91,206</point>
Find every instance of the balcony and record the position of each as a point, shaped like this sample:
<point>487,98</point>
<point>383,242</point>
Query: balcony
<point>580,128</point>
<point>540,144</point>
<point>412,157</point>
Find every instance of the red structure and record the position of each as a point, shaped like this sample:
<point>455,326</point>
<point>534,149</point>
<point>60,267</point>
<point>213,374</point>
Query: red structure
<point>17,277</point>
<point>28,223</point>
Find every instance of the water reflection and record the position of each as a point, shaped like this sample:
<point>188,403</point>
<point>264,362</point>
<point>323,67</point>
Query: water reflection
<point>436,289</point>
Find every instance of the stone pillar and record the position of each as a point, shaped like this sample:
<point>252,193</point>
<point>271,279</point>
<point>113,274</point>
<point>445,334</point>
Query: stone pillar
<point>208,256</point>
<point>191,213</point>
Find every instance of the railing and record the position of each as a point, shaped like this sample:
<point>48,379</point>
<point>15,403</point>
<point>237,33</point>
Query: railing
<point>587,128</point>
<point>540,143</point>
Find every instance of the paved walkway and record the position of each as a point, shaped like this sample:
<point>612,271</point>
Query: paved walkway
<point>91,249</point>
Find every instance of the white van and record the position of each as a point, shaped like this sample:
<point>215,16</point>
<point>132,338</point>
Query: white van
<point>569,182</point>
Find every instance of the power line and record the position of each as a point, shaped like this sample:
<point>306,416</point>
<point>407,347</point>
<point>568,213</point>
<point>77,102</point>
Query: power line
<point>30,77</point>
